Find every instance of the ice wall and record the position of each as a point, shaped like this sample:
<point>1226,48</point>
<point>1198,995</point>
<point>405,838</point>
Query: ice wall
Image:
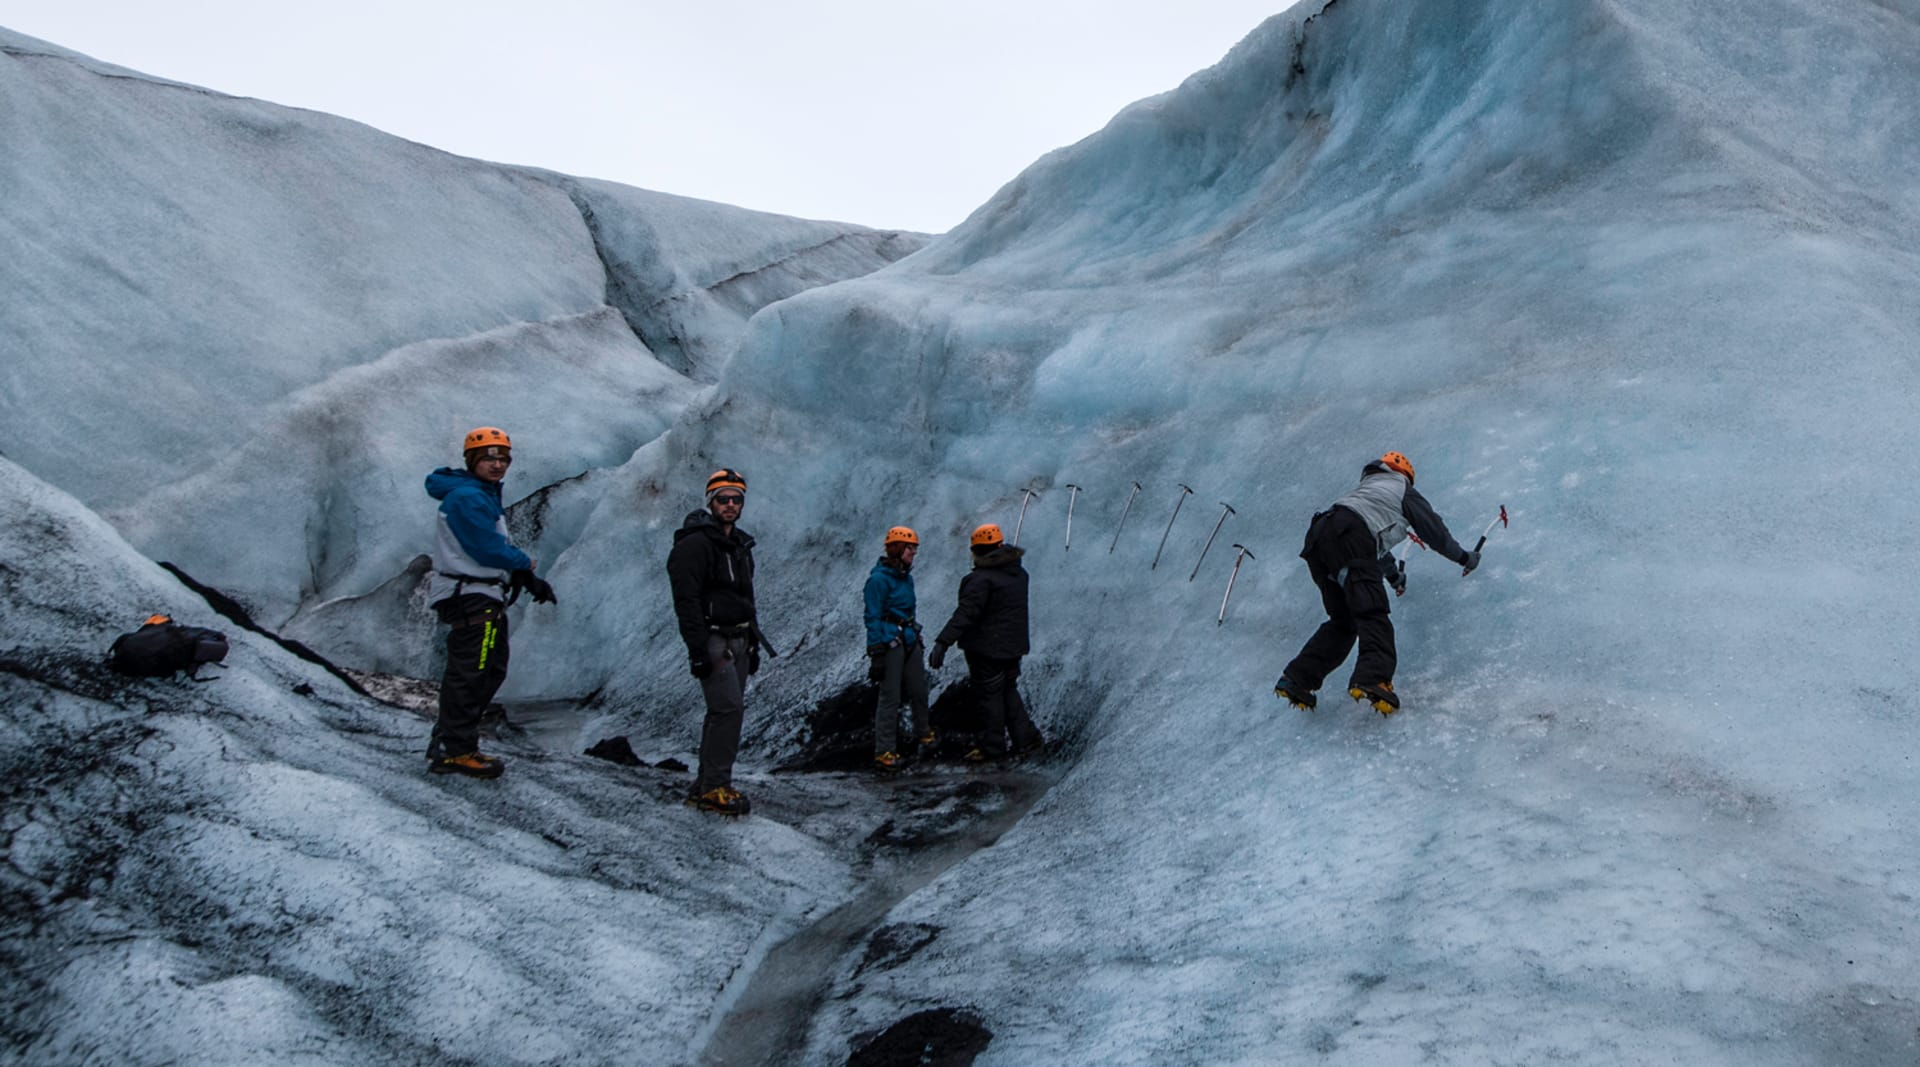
<point>1640,273</point>
<point>246,332</point>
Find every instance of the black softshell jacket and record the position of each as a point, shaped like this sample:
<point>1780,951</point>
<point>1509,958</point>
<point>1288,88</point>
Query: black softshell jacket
<point>991,617</point>
<point>712,577</point>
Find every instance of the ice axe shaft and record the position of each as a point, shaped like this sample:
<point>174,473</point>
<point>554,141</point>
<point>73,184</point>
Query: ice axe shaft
<point>1123,518</point>
<point>1244,553</point>
<point>1024,501</point>
<point>1073,493</point>
<point>1226,509</point>
<point>1185,492</point>
<point>1498,520</point>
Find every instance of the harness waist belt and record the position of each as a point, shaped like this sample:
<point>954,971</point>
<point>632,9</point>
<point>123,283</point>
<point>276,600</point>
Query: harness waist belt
<point>471,579</point>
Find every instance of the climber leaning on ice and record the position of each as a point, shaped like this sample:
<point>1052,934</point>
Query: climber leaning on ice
<point>474,567</point>
<point>711,571</point>
<point>1349,552</point>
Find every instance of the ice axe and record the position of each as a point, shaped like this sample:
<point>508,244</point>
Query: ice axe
<point>1123,518</point>
<point>1024,501</point>
<point>1499,520</point>
<point>1185,492</point>
<point>1245,553</point>
<point>1073,493</point>
<point>1226,509</point>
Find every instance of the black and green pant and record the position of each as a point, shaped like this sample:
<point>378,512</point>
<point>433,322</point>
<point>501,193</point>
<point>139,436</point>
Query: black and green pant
<point>476,668</point>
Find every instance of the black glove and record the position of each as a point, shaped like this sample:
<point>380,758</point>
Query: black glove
<point>698,662</point>
<point>538,587</point>
<point>1468,564</point>
<point>1396,576</point>
<point>753,658</point>
<point>877,662</point>
<point>938,656</point>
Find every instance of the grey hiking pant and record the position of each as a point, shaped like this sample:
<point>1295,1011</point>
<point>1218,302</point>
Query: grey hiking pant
<point>905,677</point>
<point>726,692</point>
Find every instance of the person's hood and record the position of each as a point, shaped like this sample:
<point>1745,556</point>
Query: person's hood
<point>1377,467</point>
<point>1005,555</point>
<point>447,479</point>
<point>702,521</point>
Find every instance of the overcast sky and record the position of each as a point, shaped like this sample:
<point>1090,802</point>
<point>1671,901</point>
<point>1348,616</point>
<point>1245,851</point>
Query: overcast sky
<point>891,113</point>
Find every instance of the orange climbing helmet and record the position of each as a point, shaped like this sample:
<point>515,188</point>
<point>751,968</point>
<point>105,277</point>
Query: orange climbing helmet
<point>902,535</point>
<point>988,534</point>
<point>487,437</point>
<point>1398,462</point>
<point>724,480</point>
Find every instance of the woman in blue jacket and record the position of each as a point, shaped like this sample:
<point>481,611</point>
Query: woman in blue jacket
<point>893,642</point>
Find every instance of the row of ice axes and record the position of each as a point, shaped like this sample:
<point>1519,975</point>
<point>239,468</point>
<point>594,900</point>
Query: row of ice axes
<point>1226,509</point>
<point>1242,552</point>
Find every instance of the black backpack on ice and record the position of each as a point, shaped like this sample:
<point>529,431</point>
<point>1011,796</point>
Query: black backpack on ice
<point>162,648</point>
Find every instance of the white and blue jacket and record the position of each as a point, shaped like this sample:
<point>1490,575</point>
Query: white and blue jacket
<point>471,552</point>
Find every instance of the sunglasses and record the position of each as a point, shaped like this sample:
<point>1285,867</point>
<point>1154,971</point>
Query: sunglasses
<point>730,500</point>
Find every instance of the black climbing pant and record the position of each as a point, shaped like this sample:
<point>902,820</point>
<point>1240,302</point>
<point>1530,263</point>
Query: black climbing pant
<point>1343,560</point>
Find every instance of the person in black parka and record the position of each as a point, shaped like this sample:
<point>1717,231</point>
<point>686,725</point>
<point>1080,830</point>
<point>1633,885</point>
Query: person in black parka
<point>1349,553</point>
<point>711,571</point>
<point>990,625</point>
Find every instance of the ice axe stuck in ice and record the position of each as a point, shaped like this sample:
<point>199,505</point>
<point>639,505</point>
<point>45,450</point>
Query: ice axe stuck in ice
<point>1244,553</point>
<point>1185,492</point>
<point>1123,518</point>
<point>1226,509</point>
<point>1024,501</point>
<point>1073,492</point>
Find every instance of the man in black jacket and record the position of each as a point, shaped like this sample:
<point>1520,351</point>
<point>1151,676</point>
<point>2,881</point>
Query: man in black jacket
<point>1349,552</point>
<point>711,572</point>
<point>990,626</point>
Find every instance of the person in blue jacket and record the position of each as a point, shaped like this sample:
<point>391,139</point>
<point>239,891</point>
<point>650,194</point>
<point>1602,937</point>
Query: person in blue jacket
<point>475,566</point>
<point>894,645</point>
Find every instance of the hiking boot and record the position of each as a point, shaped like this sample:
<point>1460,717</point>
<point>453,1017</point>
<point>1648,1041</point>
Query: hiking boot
<point>887,761</point>
<point>473,765</point>
<point>976,755</point>
<point>1294,693</point>
<point>721,800</point>
<point>929,739</point>
<point>1379,694</point>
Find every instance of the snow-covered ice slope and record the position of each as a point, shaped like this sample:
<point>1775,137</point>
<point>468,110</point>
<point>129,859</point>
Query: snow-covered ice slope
<point>254,869</point>
<point>1643,273</point>
<point>247,331</point>
<point>1640,271</point>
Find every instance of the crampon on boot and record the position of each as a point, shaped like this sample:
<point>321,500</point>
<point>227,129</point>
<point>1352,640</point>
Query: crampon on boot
<point>887,761</point>
<point>1294,693</point>
<point>1379,694</point>
<point>721,800</point>
<point>472,764</point>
